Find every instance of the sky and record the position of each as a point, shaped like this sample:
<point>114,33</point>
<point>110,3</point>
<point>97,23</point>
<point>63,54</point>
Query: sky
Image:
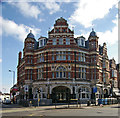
<point>18,18</point>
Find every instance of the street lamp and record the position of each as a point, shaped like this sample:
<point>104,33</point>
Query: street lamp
<point>13,82</point>
<point>13,76</point>
<point>38,91</point>
<point>48,84</point>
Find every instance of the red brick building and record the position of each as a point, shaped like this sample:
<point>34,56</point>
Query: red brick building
<point>118,76</point>
<point>63,67</point>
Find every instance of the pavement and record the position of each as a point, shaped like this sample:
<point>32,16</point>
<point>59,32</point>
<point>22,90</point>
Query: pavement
<point>61,110</point>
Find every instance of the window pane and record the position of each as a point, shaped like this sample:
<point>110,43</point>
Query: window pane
<point>68,57</point>
<point>67,41</point>
<point>41,42</point>
<point>87,90</point>
<point>68,74</point>
<point>82,69</point>
<point>79,75</point>
<point>57,75</point>
<point>43,58</point>
<point>52,74</point>
<point>79,58</point>
<point>60,57</point>
<point>87,95</point>
<point>60,41</point>
<point>57,57</point>
<point>82,75</point>
<point>60,74</point>
<point>68,52</point>
<point>54,41</point>
<point>57,30</point>
<point>63,30</point>
<point>61,71</point>
<point>83,95</point>
<point>53,57</point>
<point>64,57</point>
<point>64,74</point>
<point>82,42</point>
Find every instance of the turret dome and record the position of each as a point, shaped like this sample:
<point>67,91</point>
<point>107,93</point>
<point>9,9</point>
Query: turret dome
<point>30,35</point>
<point>93,33</point>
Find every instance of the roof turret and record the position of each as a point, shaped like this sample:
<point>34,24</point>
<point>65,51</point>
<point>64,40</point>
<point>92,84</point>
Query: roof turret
<point>93,33</point>
<point>30,35</point>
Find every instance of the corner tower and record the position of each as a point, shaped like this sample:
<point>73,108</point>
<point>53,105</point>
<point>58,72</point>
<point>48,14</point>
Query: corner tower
<point>29,43</point>
<point>93,41</point>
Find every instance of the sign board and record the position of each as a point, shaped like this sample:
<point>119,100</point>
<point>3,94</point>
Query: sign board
<point>94,89</point>
<point>26,88</point>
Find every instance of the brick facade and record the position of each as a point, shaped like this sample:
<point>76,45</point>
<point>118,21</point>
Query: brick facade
<point>63,61</point>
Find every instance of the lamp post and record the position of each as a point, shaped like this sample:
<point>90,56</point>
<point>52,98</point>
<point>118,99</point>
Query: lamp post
<point>48,84</point>
<point>13,76</point>
<point>38,91</point>
<point>13,82</point>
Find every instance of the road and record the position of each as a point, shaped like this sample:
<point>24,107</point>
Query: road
<point>61,110</point>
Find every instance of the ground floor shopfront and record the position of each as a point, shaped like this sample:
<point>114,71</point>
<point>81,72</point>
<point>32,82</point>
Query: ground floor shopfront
<point>52,91</point>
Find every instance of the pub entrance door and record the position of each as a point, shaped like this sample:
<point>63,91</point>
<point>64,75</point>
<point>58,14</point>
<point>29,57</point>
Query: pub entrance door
<point>60,94</point>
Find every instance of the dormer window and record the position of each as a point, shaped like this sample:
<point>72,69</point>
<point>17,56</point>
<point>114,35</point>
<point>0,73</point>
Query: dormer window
<point>79,42</point>
<point>44,41</point>
<point>82,42</point>
<point>41,43</point>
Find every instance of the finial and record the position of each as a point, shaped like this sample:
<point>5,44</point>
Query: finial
<point>73,28</point>
<point>92,29</point>
<point>49,28</point>
<point>30,31</point>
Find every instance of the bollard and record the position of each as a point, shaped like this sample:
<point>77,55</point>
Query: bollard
<point>30,103</point>
<point>88,103</point>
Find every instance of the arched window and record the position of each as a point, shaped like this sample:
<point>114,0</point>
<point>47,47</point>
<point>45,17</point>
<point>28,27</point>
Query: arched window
<point>61,72</point>
<point>84,93</point>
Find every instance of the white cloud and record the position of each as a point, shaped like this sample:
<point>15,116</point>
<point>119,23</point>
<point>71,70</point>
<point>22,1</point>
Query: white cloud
<point>0,60</point>
<point>110,36</point>
<point>18,31</point>
<point>52,6</point>
<point>89,10</point>
<point>41,20</point>
<point>71,26</point>
<point>27,9</point>
<point>67,1</point>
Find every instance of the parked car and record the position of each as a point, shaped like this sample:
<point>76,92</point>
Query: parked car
<point>7,101</point>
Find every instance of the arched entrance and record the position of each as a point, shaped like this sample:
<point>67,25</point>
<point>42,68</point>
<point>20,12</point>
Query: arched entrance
<point>60,94</point>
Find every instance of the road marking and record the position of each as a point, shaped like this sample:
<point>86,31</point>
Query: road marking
<point>31,114</point>
<point>41,115</point>
<point>17,110</point>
